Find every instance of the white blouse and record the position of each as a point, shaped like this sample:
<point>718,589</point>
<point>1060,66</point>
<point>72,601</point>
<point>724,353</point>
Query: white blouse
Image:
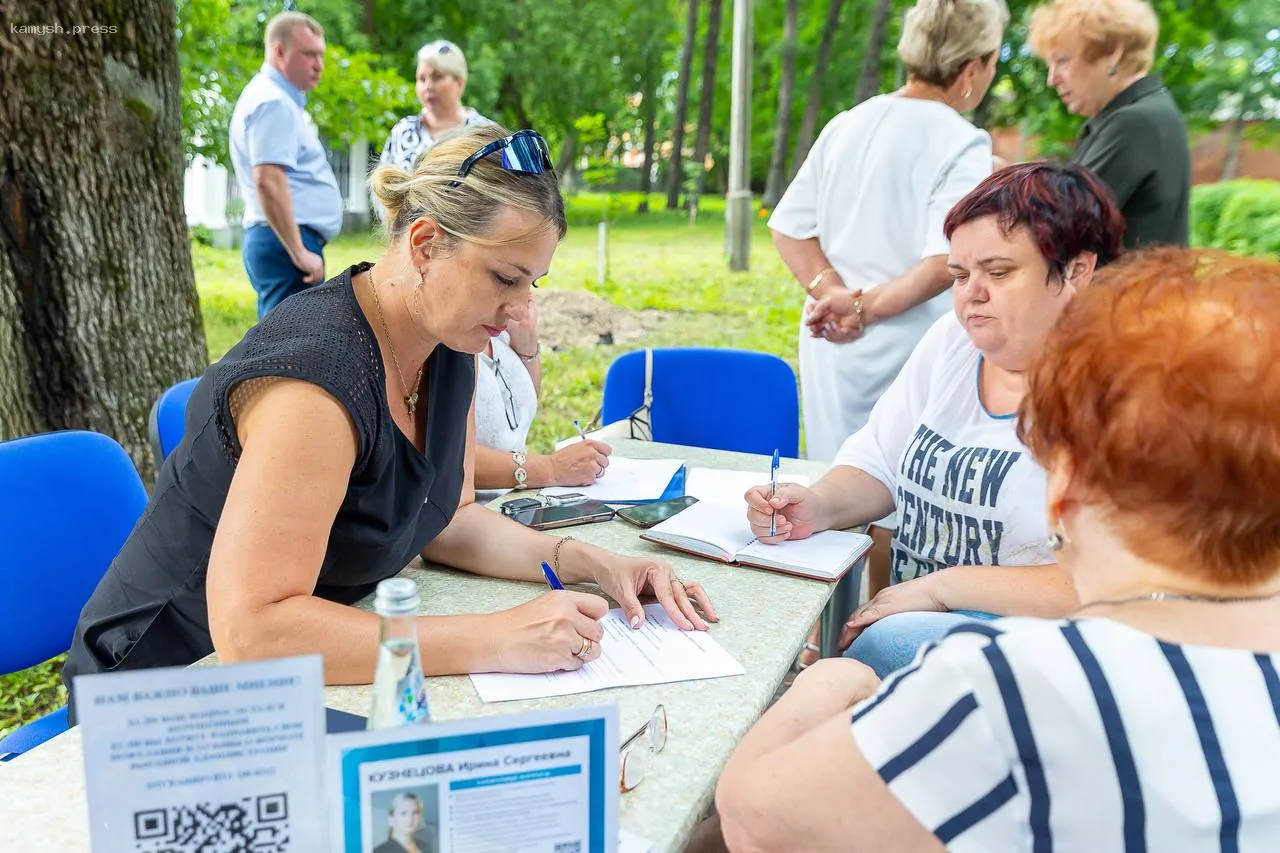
<point>506,401</point>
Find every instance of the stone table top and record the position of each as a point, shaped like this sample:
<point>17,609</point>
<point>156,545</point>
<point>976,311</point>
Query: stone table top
<point>765,618</point>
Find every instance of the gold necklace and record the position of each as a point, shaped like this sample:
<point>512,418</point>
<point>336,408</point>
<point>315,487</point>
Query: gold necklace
<point>1178,596</point>
<point>410,397</point>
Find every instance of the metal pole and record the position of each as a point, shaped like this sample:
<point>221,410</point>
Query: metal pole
<point>602,253</point>
<point>738,202</point>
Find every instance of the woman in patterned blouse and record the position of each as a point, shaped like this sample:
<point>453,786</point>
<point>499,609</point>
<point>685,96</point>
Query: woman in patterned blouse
<point>440,82</point>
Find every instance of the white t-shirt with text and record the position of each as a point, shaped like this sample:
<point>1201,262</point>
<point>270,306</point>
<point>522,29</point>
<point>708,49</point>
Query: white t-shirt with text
<point>967,492</point>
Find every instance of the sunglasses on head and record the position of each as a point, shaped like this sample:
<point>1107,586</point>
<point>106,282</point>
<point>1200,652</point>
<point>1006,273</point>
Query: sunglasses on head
<point>523,151</point>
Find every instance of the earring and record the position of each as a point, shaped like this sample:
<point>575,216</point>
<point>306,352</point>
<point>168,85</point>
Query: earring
<point>1058,538</point>
<point>1111,71</point>
<point>967,93</point>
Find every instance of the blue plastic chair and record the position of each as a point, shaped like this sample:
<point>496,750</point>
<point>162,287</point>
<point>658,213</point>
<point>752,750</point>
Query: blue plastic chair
<point>68,501</point>
<point>725,399</point>
<point>167,421</point>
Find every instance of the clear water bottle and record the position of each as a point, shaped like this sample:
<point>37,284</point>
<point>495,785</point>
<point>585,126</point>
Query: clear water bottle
<point>399,691</point>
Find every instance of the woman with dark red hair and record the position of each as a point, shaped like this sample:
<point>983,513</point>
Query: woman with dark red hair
<point>941,447</point>
<point>1147,720</point>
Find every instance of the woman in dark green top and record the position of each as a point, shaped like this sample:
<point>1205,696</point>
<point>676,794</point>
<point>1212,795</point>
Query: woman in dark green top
<point>1135,139</point>
<point>336,442</point>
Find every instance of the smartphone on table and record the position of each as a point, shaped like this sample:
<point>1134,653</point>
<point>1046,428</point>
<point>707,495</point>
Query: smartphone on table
<point>542,516</point>
<point>647,515</point>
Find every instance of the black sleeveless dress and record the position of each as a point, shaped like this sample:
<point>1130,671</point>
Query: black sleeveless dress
<point>150,608</point>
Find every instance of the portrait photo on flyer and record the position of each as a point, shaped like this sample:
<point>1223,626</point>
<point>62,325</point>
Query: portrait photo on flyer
<point>458,786</point>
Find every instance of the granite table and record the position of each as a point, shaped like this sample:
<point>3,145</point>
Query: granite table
<point>765,618</point>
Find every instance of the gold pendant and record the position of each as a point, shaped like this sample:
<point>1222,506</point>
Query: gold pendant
<point>411,400</point>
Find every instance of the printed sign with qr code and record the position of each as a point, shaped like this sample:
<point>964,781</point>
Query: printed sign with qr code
<point>249,825</point>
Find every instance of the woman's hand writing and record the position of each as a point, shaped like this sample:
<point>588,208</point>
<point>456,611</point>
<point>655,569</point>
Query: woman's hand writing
<point>580,463</point>
<point>546,634</point>
<point>793,512</point>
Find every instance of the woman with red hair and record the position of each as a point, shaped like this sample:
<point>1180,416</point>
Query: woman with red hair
<point>941,448</point>
<point>1148,719</point>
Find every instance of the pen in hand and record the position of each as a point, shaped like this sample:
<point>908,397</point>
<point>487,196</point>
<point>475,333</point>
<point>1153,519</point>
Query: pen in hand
<point>773,490</point>
<point>582,435</point>
<point>550,574</point>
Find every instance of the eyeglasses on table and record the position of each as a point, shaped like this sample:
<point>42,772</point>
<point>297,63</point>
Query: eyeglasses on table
<point>636,752</point>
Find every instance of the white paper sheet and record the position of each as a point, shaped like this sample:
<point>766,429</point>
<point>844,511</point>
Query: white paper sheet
<point>711,484</point>
<point>206,757</point>
<point>627,480</point>
<point>657,653</point>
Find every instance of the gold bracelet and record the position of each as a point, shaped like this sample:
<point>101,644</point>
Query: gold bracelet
<point>555,553</point>
<point>537,350</point>
<point>817,279</point>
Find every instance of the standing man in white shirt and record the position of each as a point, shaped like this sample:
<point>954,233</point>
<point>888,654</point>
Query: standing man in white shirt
<point>292,205</point>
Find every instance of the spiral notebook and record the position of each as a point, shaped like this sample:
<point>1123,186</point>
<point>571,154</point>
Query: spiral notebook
<point>720,531</point>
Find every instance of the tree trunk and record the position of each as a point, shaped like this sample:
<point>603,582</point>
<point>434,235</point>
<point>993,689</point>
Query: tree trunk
<point>565,167</point>
<point>650,126</point>
<point>869,82</point>
<point>98,305</point>
<point>813,105</point>
<point>1235,134</point>
<point>510,94</point>
<point>676,177</point>
<point>776,182</point>
<point>370,27</point>
<point>706,100</point>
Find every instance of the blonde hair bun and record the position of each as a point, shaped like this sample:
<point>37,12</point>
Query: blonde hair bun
<point>465,207</point>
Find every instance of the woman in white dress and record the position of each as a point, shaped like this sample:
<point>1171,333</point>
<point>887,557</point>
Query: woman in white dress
<point>863,217</point>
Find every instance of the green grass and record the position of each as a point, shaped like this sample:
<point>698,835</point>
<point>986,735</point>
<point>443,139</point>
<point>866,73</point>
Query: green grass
<point>657,262</point>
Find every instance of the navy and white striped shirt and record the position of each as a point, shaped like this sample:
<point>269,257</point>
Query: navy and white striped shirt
<point>1091,736</point>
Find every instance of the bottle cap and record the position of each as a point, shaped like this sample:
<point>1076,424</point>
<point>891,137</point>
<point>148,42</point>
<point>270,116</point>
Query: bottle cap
<point>396,597</point>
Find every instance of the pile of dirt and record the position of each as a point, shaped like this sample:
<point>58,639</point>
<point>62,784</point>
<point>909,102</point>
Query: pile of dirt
<point>578,318</point>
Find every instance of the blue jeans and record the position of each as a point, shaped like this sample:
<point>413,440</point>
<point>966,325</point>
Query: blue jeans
<point>891,643</point>
<point>267,262</point>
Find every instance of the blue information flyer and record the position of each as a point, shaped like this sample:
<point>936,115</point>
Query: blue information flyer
<point>542,782</point>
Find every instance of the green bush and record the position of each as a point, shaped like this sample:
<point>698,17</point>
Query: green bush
<point>1239,216</point>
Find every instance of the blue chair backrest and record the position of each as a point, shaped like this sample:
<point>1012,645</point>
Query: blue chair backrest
<point>725,399</point>
<point>68,501</point>
<point>168,419</point>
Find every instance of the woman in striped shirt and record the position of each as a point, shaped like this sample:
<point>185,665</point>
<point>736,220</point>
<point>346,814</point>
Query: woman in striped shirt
<point>1150,718</point>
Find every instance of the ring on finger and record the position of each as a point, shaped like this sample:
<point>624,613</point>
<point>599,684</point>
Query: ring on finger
<point>585,649</point>
<point>683,585</point>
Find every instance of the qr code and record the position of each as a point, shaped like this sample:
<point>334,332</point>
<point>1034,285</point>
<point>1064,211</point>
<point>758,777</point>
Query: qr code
<point>569,847</point>
<point>248,825</point>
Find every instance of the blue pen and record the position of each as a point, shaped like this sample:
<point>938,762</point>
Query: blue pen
<point>582,435</point>
<point>773,490</point>
<point>550,574</point>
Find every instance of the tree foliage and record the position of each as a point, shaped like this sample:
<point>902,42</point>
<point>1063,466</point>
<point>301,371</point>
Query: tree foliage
<point>550,63</point>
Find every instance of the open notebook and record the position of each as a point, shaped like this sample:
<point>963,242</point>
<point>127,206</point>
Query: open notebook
<point>720,531</point>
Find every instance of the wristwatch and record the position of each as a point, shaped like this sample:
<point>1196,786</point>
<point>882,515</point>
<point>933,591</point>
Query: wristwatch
<point>521,474</point>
